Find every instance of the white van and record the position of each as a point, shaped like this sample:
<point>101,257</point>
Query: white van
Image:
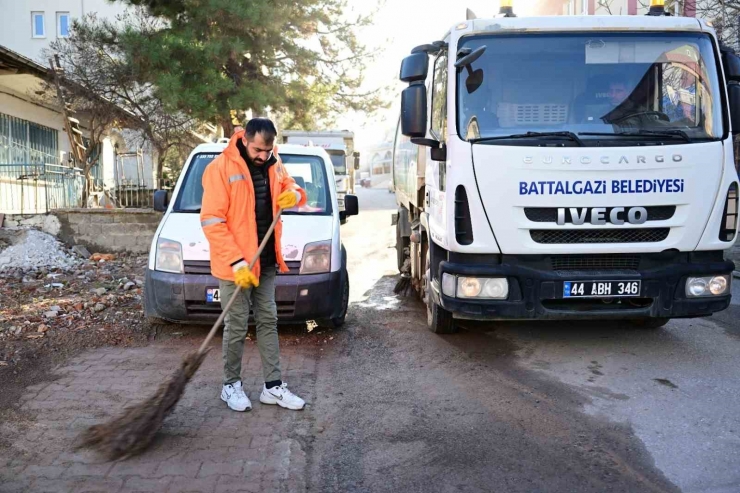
<point>179,286</point>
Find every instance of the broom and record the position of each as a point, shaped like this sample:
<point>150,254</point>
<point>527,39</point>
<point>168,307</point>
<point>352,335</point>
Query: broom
<point>133,431</point>
<point>404,284</point>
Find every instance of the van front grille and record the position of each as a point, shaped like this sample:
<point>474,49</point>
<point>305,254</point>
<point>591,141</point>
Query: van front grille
<point>204,267</point>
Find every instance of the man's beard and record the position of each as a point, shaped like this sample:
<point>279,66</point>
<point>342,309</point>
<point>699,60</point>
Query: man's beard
<point>254,162</point>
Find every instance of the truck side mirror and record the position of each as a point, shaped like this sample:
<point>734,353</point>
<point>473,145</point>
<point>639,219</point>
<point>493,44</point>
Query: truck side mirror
<point>733,93</point>
<point>357,161</point>
<point>351,206</point>
<point>731,63</point>
<point>161,200</point>
<point>414,110</point>
<point>414,68</point>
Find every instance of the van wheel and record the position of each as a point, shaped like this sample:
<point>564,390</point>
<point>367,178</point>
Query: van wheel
<point>338,321</point>
<point>650,323</point>
<point>439,320</point>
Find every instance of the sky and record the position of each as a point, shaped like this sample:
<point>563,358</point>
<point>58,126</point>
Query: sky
<point>399,26</point>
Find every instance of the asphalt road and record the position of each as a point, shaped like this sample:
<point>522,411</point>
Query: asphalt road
<point>556,407</point>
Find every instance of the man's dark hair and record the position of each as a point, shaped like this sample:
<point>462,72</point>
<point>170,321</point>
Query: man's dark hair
<point>261,126</point>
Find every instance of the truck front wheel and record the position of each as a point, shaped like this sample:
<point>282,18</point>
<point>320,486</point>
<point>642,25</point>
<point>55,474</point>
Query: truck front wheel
<point>439,320</point>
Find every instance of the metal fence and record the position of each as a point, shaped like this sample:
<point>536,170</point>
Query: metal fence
<point>39,188</point>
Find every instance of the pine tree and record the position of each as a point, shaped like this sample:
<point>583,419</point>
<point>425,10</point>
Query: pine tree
<point>207,57</point>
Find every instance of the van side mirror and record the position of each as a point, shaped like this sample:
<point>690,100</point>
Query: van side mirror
<point>161,200</point>
<point>357,161</point>
<point>351,206</point>
<point>733,94</point>
<point>414,68</point>
<point>414,110</point>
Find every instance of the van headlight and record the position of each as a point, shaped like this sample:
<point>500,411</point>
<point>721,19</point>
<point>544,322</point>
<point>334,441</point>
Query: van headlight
<point>168,256</point>
<point>316,258</point>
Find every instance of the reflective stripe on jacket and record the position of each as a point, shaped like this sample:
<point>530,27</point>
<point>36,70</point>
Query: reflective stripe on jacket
<point>227,214</point>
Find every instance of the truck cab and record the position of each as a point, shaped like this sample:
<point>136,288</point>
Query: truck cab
<point>179,286</point>
<point>340,147</point>
<point>568,168</point>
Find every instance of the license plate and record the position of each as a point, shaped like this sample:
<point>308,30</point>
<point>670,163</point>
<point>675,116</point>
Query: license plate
<point>213,295</point>
<point>601,289</point>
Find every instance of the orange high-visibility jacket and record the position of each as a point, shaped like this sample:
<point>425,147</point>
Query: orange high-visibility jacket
<point>227,215</point>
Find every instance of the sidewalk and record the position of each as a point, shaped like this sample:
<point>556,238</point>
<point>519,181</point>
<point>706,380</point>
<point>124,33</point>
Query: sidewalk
<point>203,446</point>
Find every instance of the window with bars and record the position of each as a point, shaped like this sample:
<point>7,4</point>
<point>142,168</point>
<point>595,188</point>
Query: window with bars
<point>25,142</point>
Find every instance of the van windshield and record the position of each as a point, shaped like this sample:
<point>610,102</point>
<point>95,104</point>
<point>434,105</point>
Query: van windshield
<point>595,85</point>
<point>307,171</point>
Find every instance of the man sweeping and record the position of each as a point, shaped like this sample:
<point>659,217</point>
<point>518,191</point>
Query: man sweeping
<point>243,189</point>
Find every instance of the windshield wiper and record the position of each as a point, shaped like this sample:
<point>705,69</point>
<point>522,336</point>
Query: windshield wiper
<point>529,135</point>
<point>642,133</point>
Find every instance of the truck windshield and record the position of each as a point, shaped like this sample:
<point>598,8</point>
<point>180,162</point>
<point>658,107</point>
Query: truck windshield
<point>307,171</point>
<point>594,85</point>
<point>340,163</point>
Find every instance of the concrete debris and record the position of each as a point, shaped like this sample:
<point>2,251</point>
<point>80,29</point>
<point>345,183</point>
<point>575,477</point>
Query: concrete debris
<point>64,308</point>
<point>81,251</point>
<point>32,250</point>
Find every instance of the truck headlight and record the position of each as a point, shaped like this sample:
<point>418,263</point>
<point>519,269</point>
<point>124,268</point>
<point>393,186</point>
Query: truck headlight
<point>168,256</point>
<point>707,286</point>
<point>496,288</point>
<point>316,258</point>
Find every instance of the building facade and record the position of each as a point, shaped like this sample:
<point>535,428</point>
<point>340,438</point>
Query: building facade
<point>29,26</point>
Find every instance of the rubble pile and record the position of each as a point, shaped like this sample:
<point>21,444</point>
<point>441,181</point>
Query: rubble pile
<point>65,303</point>
<point>32,249</point>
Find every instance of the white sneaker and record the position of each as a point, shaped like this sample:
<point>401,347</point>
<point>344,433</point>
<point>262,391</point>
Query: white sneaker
<point>282,397</point>
<point>234,396</point>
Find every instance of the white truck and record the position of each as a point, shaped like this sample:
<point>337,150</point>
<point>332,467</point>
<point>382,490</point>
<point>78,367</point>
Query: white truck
<point>340,147</point>
<point>544,168</point>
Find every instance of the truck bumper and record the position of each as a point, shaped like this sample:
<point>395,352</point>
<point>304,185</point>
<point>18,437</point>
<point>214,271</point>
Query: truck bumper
<point>181,298</point>
<point>536,288</point>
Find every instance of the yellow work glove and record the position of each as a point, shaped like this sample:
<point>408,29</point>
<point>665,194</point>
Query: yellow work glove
<point>287,200</point>
<point>243,276</point>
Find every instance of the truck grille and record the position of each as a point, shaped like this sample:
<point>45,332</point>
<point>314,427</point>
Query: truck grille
<point>595,262</point>
<point>550,214</point>
<point>571,236</point>
<point>204,267</point>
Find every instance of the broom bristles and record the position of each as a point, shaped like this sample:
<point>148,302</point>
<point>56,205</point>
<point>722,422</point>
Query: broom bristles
<point>133,431</point>
<point>403,285</point>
